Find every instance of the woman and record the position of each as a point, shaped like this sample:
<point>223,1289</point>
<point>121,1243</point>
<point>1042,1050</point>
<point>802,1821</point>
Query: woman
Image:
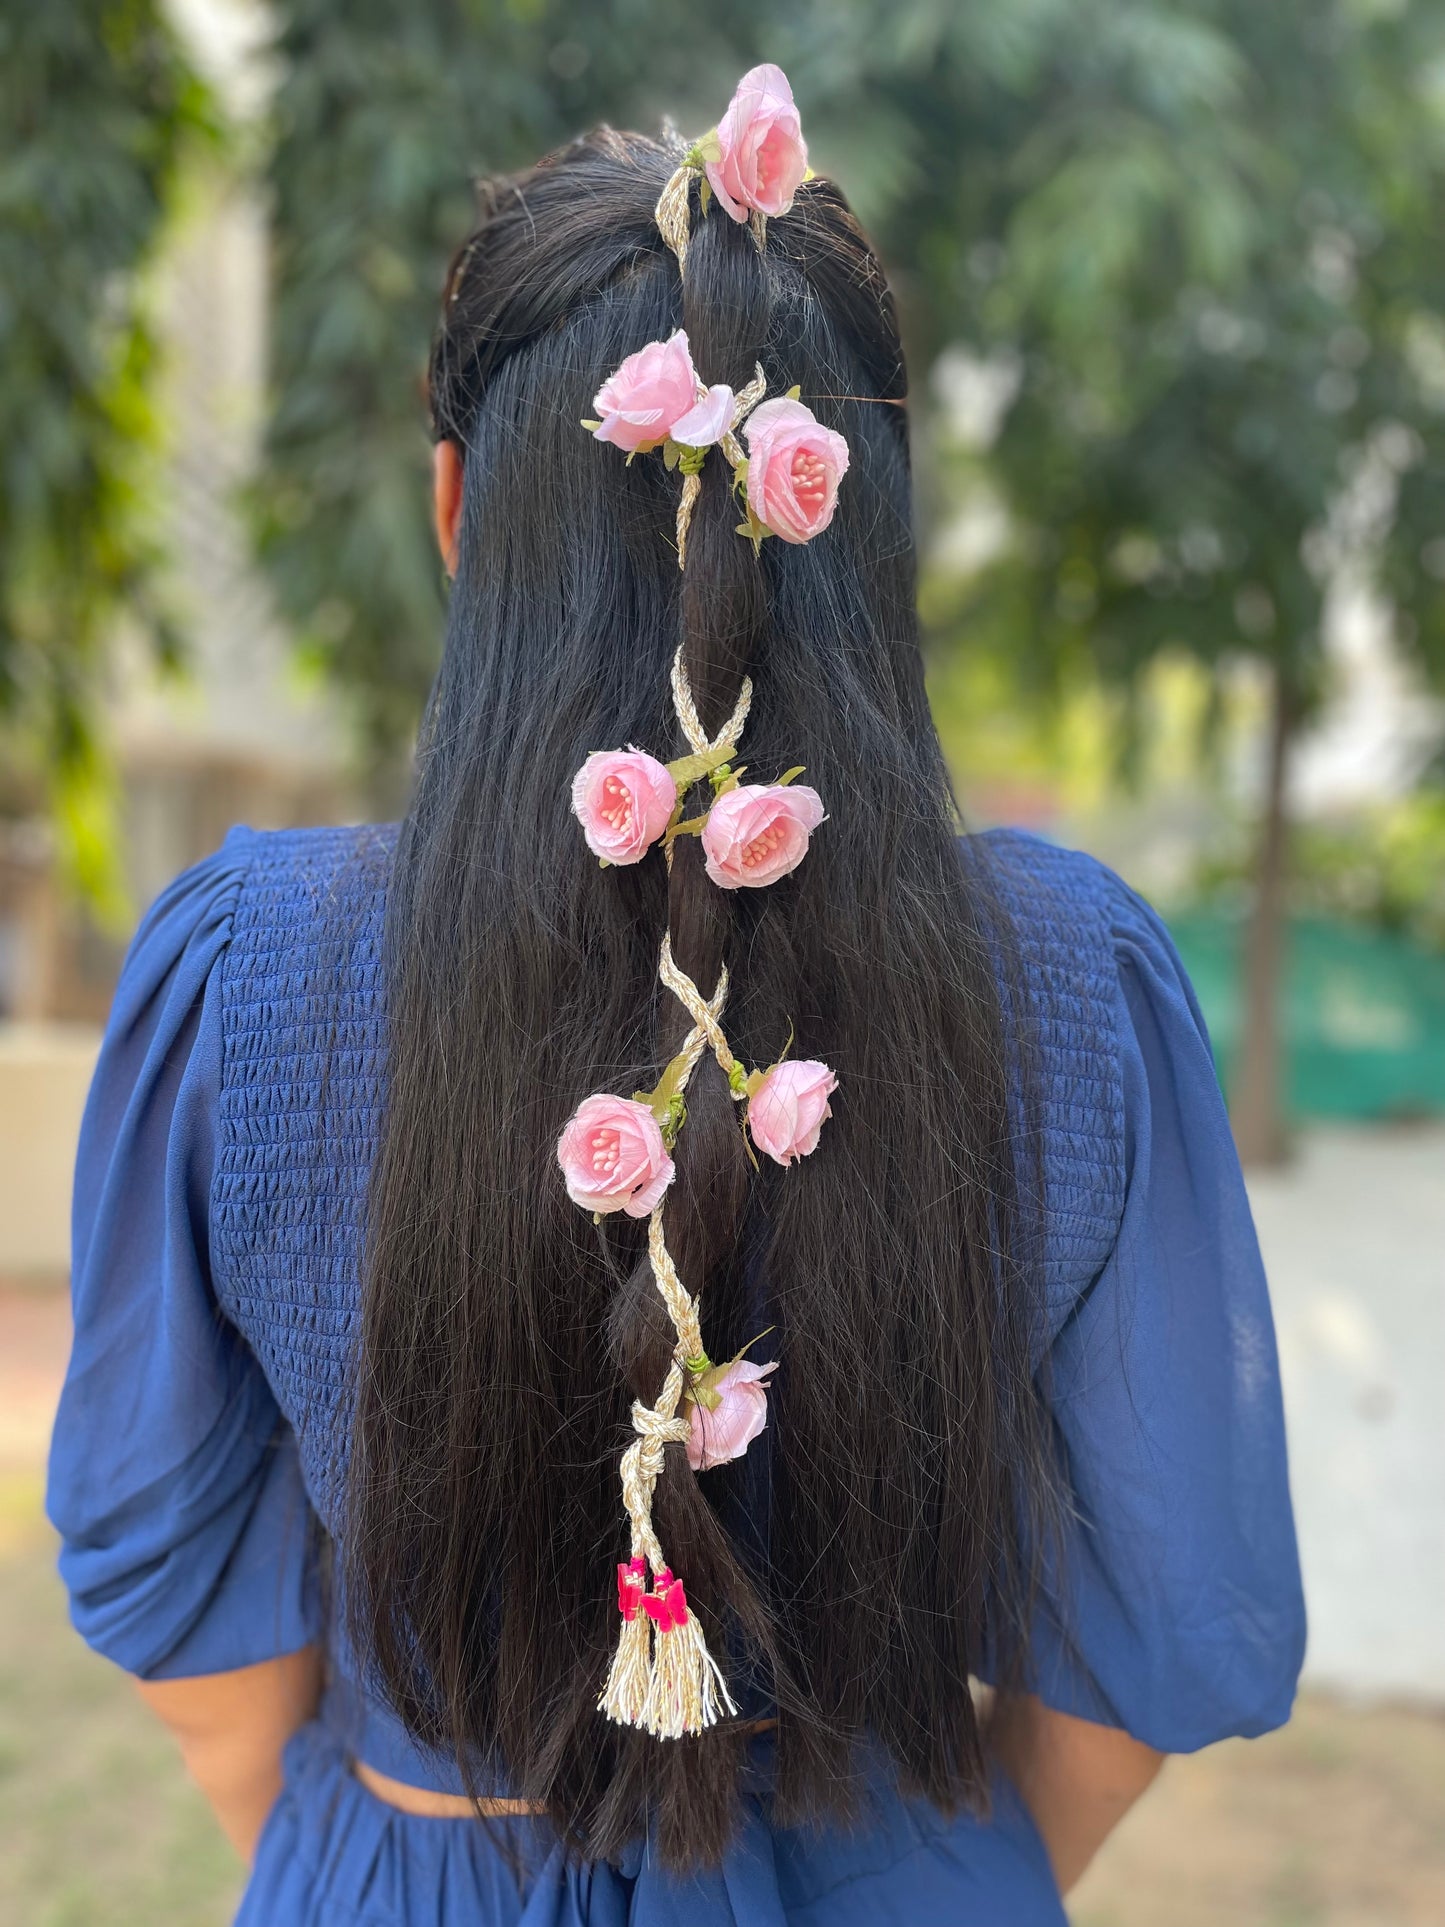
<point>914,1295</point>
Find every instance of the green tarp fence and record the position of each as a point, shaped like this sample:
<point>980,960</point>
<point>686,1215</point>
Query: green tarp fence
<point>1364,1013</point>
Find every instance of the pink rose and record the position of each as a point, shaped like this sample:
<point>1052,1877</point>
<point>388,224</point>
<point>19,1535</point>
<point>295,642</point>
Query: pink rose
<point>756,833</point>
<point>623,799</point>
<point>650,391</point>
<point>790,1107</point>
<point>709,420</point>
<point>762,157</point>
<point>794,468</point>
<point>734,1422</point>
<point>613,1157</point>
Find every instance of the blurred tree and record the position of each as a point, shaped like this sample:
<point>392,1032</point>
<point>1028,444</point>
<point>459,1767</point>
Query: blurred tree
<point>1211,266</point>
<point>95,107</point>
<point>1199,238</point>
<point>384,118</point>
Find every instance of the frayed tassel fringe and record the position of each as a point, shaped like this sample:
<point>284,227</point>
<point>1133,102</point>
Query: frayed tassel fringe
<point>629,1679</point>
<point>688,1693</point>
<point>670,1691</point>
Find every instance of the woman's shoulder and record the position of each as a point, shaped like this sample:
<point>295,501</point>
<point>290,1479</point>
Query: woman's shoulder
<point>1096,966</point>
<point>1078,929</point>
<point>1041,882</point>
<point>262,896</point>
<point>1068,925</point>
<point>311,865</point>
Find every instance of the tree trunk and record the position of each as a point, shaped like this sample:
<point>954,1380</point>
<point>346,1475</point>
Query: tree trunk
<point>1257,1110</point>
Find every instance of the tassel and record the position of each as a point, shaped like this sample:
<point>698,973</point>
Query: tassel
<point>687,1691</point>
<point>629,1679</point>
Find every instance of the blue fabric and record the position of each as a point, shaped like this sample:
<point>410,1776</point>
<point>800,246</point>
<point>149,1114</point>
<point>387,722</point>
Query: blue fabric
<point>1178,1613</point>
<point>174,1481</point>
<point>202,1432</point>
<point>331,1853</point>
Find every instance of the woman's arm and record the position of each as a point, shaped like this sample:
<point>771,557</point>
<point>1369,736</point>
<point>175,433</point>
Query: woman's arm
<point>1077,1779</point>
<point>232,1727</point>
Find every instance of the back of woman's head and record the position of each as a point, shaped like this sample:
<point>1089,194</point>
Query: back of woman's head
<point>847,1571</point>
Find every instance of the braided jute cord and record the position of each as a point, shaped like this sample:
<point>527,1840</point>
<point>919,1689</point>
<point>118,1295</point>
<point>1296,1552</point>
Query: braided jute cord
<point>704,1012</point>
<point>698,740</point>
<point>744,402</point>
<point>666,1680</point>
<point>673,215</point>
<point>663,1678</point>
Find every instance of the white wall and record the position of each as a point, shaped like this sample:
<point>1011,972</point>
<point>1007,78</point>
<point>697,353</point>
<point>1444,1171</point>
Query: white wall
<point>45,1071</point>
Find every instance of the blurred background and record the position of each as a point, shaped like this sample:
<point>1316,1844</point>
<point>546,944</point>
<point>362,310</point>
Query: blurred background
<point>1173,279</point>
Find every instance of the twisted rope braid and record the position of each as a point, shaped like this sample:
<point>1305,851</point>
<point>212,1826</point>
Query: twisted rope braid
<point>673,213</point>
<point>691,461</point>
<point>704,1012</point>
<point>663,1678</point>
<point>668,1682</point>
<point>690,722</point>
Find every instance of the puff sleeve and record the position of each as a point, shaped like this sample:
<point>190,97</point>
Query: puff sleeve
<point>1174,1609</point>
<point>186,1537</point>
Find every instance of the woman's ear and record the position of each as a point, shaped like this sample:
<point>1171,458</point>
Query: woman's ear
<point>447,499</point>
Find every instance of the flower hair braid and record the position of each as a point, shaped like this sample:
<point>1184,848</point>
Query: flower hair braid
<point>682,397</point>
<point>663,1677</point>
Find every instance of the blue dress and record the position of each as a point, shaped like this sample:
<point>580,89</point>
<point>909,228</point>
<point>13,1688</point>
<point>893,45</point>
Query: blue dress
<point>202,1430</point>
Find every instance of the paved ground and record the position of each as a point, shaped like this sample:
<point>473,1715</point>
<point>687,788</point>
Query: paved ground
<point>1354,1239</point>
<point>1337,1822</point>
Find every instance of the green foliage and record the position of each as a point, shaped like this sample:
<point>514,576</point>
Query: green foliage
<point>1220,279</point>
<point>384,118</point>
<point>95,107</point>
<point>1204,232</point>
<point>1383,867</point>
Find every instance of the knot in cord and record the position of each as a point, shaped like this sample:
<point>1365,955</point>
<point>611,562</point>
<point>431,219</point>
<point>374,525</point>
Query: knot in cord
<point>650,1424</point>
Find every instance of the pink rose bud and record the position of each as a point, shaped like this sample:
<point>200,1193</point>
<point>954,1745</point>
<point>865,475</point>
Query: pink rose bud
<point>762,156</point>
<point>650,391</point>
<point>708,420</point>
<point>623,799</point>
<point>790,1107</point>
<point>794,468</point>
<point>756,833</point>
<point>613,1157</point>
<point>735,1421</point>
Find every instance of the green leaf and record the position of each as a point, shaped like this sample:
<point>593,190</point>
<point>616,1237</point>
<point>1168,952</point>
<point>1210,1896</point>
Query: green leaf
<point>686,826</point>
<point>688,770</point>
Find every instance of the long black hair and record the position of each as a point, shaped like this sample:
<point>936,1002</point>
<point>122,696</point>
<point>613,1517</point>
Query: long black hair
<point>504,1335</point>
